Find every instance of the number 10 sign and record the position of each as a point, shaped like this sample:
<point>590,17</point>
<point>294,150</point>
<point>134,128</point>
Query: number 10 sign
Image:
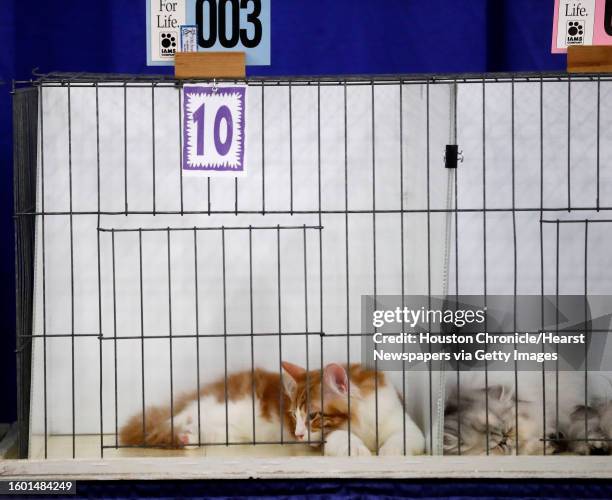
<point>213,129</point>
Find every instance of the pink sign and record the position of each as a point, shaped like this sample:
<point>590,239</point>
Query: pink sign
<point>581,22</point>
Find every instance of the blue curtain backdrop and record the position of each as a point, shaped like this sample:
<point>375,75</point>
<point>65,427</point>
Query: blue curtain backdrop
<point>308,37</point>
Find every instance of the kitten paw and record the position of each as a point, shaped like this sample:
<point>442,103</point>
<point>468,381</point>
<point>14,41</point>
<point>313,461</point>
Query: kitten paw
<point>336,445</point>
<point>360,451</point>
<point>357,450</point>
<point>184,438</point>
<point>394,445</point>
<point>187,433</point>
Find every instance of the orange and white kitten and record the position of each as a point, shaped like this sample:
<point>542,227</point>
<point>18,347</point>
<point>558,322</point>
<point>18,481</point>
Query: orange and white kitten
<point>312,411</point>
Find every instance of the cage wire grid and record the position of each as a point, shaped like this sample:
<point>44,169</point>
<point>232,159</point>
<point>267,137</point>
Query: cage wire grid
<point>447,204</point>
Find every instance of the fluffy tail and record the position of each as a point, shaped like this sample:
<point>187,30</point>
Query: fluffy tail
<point>155,431</point>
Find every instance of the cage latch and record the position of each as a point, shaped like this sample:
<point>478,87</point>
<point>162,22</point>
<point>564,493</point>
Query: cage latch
<point>452,156</point>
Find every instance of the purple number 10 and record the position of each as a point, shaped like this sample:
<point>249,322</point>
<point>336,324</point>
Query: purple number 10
<point>223,113</point>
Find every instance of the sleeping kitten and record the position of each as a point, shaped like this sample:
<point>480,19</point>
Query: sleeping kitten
<point>465,425</point>
<point>594,422</point>
<point>312,411</point>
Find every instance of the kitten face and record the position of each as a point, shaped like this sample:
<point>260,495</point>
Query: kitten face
<point>605,416</point>
<point>466,424</point>
<point>310,419</point>
<point>590,428</point>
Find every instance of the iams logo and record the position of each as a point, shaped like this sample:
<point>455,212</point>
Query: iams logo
<point>167,43</point>
<point>575,33</point>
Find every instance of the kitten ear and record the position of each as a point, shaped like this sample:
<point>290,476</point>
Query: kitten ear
<point>294,370</point>
<point>336,380</point>
<point>290,373</point>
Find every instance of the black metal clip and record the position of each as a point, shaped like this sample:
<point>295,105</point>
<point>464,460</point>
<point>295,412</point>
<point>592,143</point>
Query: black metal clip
<point>452,156</point>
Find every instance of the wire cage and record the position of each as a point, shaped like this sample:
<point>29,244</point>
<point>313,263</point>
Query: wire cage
<point>136,283</point>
